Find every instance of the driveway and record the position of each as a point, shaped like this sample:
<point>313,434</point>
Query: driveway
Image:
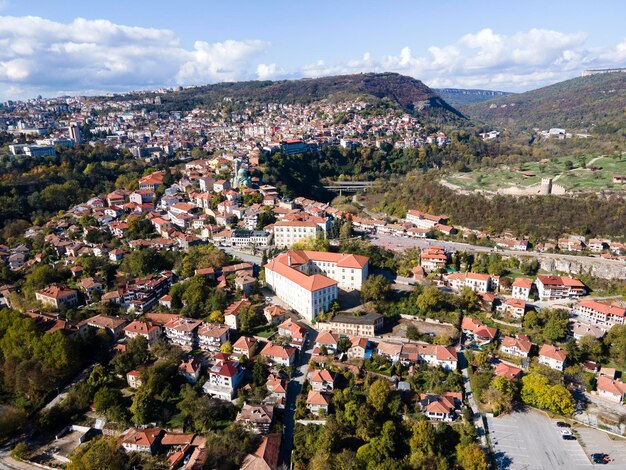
<point>531,440</point>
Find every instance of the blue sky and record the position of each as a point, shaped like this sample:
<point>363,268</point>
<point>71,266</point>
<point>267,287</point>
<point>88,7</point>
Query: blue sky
<point>53,47</point>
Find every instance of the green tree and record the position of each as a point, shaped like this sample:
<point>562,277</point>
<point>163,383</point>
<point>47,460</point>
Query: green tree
<point>431,299</point>
<point>375,288</point>
<point>616,339</point>
<point>378,394</point>
<point>100,453</point>
<point>471,457</point>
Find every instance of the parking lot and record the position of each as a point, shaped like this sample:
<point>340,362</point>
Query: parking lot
<point>595,441</point>
<point>531,440</point>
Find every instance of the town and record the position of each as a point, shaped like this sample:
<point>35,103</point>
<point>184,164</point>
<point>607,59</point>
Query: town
<point>206,304</point>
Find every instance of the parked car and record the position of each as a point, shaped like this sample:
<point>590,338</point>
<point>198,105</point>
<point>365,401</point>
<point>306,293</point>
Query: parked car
<point>561,424</point>
<point>568,437</point>
<point>566,432</point>
<point>601,459</point>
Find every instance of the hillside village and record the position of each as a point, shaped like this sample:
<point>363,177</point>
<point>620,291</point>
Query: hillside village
<point>143,270</point>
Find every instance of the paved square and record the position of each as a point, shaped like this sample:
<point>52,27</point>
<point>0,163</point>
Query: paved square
<point>530,440</point>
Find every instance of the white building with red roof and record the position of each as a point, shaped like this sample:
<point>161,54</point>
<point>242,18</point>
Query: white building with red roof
<point>308,280</point>
<point>321,380</point>
<point>611,389</point>
<point>279,354</point>
<point>148,330</point>
<point>552,357</point>
<point>318,402</point>
<point>559,287</point>
<point>141,440</point>
<point>57,296</point>
<point>444,407</point>
<point>600,313</point>
<point>225,377</point>
<point>519,347</point>
<point>211,336</point>
<point>477,331</point>
<point>521,288</point>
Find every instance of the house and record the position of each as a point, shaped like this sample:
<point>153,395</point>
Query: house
<point>424,220</point>
<point>275,314</point>
<point>148,330</point>
<point>141,440</point>
<point>552,357</point>
<point>519,347</point>
<point>225,377</point>
<point>318,402</point>
<point>475,330</point>
<point>600,313</point>
<point>308,280</point>
<point>521,287</point>
<point>278,354</point>
<point>183,332</point>
<point>514,307</point>
<point>267,455</point>
<point>321,380</point>
<point>258,419</point>
<point>231,314</point>
<point>278,390</point>
<point>611,389</point>
<point>296,332</point>
<point>433,258</point>
<point>328,340</point>
<point>508,371</point>
<point>114,326</point>
<point>367,325</point>
<point>444,407</point>
<point>57,296</point>
<point>475,281</point>
<point>190,369</point>
<point>559,287</point>
<point>245,284</point>
<point>211,336</point>
<point>579,330</point>
<point>245,346</point>
<point>360,349</point>
<point>133,378</point>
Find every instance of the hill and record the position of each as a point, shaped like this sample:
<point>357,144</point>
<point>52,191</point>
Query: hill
<point>464,97</point>
<point>404,92</point>
<point>593,104</point>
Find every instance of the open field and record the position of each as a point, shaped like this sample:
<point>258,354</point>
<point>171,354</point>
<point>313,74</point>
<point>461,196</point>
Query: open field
<point>569,172</point>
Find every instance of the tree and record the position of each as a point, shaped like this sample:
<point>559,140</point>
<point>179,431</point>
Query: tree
<point>471,457</point>
<point>555,327</point>
<point>100,453</point>
<point>139,227</point>
<point>500,395</point>
<point>413,333</point>
<point>226,348</point>
<point>107,398</point>
<point>378,394</point>
<point>430,299</point>
<point>531,319</point>
<point>537,391</point>
<point>216,316</point>
<point>482,359</point>
<point>375,288</point>
<point>616,339</point>
<point>423,442</point>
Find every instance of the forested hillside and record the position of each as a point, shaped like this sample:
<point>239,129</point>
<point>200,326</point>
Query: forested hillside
<point>539,217</point>
<point>595,104</point>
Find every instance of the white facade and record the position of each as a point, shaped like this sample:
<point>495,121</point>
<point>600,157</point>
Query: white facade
<point>288,233</point>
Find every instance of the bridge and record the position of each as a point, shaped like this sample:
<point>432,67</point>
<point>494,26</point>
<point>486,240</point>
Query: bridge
<point>349,186</point>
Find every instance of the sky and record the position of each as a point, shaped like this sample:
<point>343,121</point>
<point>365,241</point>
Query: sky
<point>60,47</point>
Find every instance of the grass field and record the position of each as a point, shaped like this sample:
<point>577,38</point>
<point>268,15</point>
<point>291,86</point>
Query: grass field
<point>569,172</point>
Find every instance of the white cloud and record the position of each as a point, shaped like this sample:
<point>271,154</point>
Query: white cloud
<point>487,59</point>
<point>87,56</point>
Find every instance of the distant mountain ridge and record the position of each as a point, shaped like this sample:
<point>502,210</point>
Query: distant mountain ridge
<point>406,92</point>
<point>462,96</point>
<point>595,104</point>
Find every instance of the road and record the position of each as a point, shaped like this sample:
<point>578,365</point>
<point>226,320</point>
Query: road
<point>293,390</point>
<point>80,376</point>
<point>477,417</point>
<point>401,243</point>
<point>246,257</point>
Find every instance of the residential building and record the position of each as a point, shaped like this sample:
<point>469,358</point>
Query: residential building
<point>308,280</point>
<point>559,287</point>
<point>475,281</point>
<point>579,330</point>
<point>318,402</point>
<point>425,221</point>
<point>225,377</point>
<point>189,368</point>
<point>141,440</point>
<point>321,380</point>
<point>275,314</point>
<point>433,258</point>
<point>611,389</point>
<point>183,332</point>
<point>267,455</point>
<point>231,314</point>
<point>521,288</point>
<point>367,325</point>
<point>513,307</point>
<point>148,330</point>
<point>278,390</point>
<point>245,346</point>
<point>133,378</point>
<point>114,326</point>
<point>258,419</point>
<point>278,354</point>
<point>211,336</point>
<point>360,349</point>
<point>476,331</point>
<point>519,347</point>
<point>552,357</point>
<point>508,371</point>
<point>328,340</point>
<point>445,407</point>
<point>600,313</point>
<point>57,296</point>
